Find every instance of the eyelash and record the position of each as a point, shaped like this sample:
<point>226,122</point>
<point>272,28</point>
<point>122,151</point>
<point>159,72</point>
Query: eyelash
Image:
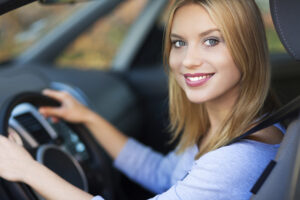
<point>216,40</point>
<point>175,41</point>
<point>183,43</point>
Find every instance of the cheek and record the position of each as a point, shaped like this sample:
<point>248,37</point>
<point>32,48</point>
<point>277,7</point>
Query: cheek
<point>228,66</point>
<point>230,75</point>
<point>175,60</point>
<point>172,61</point>
<point>234,77</point>
<point>234,70</point>
<point>236,73</point>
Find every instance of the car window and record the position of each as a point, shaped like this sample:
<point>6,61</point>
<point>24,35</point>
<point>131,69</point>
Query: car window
<point>97,47</point>
<point>274,43</point>
<point>22,27</point>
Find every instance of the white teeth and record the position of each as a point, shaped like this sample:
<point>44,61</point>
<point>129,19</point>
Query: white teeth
<point>197,78</point>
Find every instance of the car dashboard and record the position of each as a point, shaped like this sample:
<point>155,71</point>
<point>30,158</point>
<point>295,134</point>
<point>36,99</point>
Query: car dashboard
<point>29,128</point>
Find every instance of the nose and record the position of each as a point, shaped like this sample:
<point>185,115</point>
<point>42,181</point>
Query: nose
<point>192,57</point>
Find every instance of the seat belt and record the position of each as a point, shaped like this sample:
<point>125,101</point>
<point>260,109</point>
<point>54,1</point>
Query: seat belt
<point>287,111</point>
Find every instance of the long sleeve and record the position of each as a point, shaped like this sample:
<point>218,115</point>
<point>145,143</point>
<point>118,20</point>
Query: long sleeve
<point>147,167</point>
<point>97,198</point>
<point>223,174</point>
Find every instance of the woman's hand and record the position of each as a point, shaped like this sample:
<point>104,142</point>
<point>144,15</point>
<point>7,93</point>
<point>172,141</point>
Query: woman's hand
<point>16,164</point>
<point>14,160</point>
<point>110,138</point>
<point>70,110</point>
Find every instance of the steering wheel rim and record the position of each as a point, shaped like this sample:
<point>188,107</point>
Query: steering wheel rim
<point>95,165</point>
<point>9,103</point>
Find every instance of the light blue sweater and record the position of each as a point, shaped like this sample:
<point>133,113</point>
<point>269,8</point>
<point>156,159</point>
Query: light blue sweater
<point>226,173</point>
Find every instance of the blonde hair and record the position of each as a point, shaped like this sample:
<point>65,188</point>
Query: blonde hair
<point>242,28</point>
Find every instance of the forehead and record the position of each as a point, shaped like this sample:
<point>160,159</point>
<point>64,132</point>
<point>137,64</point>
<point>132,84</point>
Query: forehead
<point>191,17</point>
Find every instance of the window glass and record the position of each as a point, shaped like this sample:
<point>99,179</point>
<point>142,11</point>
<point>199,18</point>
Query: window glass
<point>274,43</point>
<point>97,47</point>
<point>22,27</point>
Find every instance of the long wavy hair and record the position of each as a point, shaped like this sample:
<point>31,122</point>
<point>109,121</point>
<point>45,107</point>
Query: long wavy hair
<point>242,28</point>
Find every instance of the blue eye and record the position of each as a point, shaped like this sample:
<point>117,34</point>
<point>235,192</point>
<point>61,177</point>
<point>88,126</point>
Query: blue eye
<point>211,42</point>
<point>178,43</point>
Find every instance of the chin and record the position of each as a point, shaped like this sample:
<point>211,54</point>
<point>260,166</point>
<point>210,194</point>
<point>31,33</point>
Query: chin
<point>197,99</point>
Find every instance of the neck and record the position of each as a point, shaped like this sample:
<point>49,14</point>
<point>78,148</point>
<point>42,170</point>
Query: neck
<point>218,109</point>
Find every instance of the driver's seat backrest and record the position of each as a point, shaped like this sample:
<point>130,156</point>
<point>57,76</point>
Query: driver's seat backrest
<point>286,15</point>
<point>283,183</point>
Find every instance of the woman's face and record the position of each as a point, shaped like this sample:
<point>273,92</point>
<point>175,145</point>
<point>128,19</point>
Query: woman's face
<point>199,58</point>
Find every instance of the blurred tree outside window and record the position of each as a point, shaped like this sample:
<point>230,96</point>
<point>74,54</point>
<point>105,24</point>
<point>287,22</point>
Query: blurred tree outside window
<point>275,46</point>
<point>96,48</point>
<point>22,27</point>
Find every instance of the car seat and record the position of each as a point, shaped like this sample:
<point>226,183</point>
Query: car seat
<point>283,180</point>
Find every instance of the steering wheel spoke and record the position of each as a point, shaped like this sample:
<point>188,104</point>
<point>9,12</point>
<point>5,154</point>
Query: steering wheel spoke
<point>53,151</point>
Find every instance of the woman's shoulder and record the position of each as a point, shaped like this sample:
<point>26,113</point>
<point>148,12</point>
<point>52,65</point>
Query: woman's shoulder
<point>232,170</point>
<point>260,148</point>
<point>243,150</point>
<point>241,160</point>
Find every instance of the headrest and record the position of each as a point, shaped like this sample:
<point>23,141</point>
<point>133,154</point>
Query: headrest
<point>286,18</point>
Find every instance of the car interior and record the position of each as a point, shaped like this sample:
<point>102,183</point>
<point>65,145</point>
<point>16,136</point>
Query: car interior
<point>283,180</point>
<point>133,96</point>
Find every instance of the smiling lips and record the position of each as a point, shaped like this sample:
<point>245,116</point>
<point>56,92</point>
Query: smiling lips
<point>198,79</point>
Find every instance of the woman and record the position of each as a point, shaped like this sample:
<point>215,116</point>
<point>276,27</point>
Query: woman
<point>219,88</point>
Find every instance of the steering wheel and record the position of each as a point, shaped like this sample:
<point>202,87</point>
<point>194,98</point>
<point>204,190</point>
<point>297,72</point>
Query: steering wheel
<point>91,175</point>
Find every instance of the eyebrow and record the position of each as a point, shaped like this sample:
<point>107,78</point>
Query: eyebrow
<point>201,34</point>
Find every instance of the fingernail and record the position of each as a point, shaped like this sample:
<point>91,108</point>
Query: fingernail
<point>45,91</point>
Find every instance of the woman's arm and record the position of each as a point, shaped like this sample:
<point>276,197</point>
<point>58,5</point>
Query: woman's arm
<point>137,161</point>
<point>17,165</point>
<point>111,139</point>
<point>51,186</point>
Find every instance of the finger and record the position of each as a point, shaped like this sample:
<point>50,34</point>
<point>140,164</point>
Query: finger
<point>14,137</point>
<point>43,114</point>
<point>2,138</point>
<point>57,95</point>
<point>50,111</point>
<point>54,120</point>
